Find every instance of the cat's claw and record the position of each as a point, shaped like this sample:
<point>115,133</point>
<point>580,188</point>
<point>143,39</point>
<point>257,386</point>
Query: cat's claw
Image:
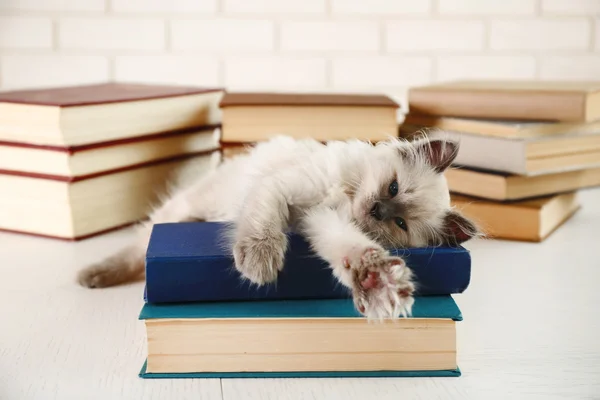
<point>382,285</point>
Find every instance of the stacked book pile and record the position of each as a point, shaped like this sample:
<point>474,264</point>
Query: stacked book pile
<point>526,148</point>
<point>249,118</point>
<point>203,321</point>
<point>78,161</point>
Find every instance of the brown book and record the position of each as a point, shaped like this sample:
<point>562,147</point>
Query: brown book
<point>501,186</point>
<point>503,128</point>
<point>73,209</point>
<point>79,115</point>
<point>231,150</point>
<point>529,220</point>
<point>75,162</point>
<point>522,156</point>
<point>252,117</point>
<point>517,100</point>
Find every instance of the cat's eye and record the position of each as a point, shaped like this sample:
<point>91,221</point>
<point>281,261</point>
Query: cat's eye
<point>401,223</point>
<point>393,189</point>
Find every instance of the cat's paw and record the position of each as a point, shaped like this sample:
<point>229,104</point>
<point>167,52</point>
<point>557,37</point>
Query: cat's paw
<point>260,259</point>
<point>382,285</point>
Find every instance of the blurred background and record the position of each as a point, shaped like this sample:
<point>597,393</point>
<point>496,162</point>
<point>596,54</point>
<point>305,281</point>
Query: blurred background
<point>309,45</point>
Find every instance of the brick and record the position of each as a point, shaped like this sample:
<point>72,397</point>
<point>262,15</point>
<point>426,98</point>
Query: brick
<point>571,7</point>
<point>330,36</point>
<point>167,69</point>
<point>597,38</point>
<point>223,35</point>
<point>534,34</point>
<point>52,5</point>
<point>275,73</point>
<point>381,7</point>
<point>111,34</point>
<point>486,7</point>
<point>381,72</point>
<point>421,35</point>
<point>164,6</point>
<point>25,32</point>
<point>575,68</point>
<point>275,6</point>
<point>485,67</point>
<point>28,71</point>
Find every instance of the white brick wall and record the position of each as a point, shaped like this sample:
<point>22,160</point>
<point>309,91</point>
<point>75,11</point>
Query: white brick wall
<point>535,35</point>
<point>487,7</point>
<point>275,73</point>
<point>310,45</point>
<point>335,36</point>
<point>420,35</point>
<point>222,35</point>
<point>25,32</point>
<point>30,71</point>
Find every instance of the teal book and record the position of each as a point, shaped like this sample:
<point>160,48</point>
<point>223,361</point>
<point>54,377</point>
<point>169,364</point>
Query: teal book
<point>298,338</point>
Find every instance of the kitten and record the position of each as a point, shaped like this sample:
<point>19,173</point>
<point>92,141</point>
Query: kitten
<point>350,199</point>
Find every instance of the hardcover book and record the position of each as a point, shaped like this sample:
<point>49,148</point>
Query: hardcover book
<point>77,208</point>
<point>516,100</point>
<point>504,128</point>
<point>252,117</point>
<point>298,338</point>
<point>521,156</point>
<point>528,220</point>
<point>504,186</point>
<point>75,162</point>
<point>187,262</point>
<point>80,115</point>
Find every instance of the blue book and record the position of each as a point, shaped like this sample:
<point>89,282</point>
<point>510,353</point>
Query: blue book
<point>298,338</point>
<point>187,262</point>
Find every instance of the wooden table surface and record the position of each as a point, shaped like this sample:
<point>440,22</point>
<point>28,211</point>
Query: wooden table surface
<point>531,328</point>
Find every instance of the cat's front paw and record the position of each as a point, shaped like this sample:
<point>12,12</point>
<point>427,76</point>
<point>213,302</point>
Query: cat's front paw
<point>260,259</point>
<point>382,285</point>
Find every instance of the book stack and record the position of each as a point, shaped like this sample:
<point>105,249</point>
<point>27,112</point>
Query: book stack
<point>525,149</point>
<point>249,118</point>
<point>78,161</point>
<point>203,321</point>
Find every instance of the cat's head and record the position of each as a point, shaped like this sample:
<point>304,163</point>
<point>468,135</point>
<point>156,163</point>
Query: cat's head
<point>402,199</point>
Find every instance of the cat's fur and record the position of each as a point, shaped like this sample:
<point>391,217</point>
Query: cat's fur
<point>328,193</point>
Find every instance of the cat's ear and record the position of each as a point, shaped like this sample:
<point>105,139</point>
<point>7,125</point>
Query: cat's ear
<point>458,229</point>
<point>439,153</point>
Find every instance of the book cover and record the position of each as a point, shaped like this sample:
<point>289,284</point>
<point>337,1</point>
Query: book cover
<point>103,93</point>
<point>305,99</point>
<point>527,220</point>
<point>187,262</point>
<point>424,307</point>
<point>502,186</point>
<point>525,100</point>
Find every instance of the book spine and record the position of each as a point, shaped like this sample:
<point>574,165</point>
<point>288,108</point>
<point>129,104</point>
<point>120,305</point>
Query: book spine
<point>534,105</point>
<point>304,276</point>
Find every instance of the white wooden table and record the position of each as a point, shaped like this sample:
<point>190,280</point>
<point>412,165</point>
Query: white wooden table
<point>531,328</point>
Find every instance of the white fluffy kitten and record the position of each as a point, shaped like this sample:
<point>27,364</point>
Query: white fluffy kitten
<point>350,199</point>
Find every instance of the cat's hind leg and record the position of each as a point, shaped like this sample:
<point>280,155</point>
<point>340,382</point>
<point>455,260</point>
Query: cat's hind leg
<point>206,199</point>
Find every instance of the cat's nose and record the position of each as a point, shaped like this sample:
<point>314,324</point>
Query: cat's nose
<point>376,211</point>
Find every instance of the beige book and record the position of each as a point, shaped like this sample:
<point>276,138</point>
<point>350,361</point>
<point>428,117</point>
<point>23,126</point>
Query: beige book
<point>253,117</point>
<point>527,220</point>
<point>79,115</point>
<point>522,156</point>
<point>501,186</point>
<point>81,161</point>
<point>517,100</point>
<point>299,344</point>
<point>504,128</point>
<point>74,210</point>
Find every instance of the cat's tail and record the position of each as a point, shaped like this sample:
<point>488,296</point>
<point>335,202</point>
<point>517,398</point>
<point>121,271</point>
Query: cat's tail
<point>126,265</point>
